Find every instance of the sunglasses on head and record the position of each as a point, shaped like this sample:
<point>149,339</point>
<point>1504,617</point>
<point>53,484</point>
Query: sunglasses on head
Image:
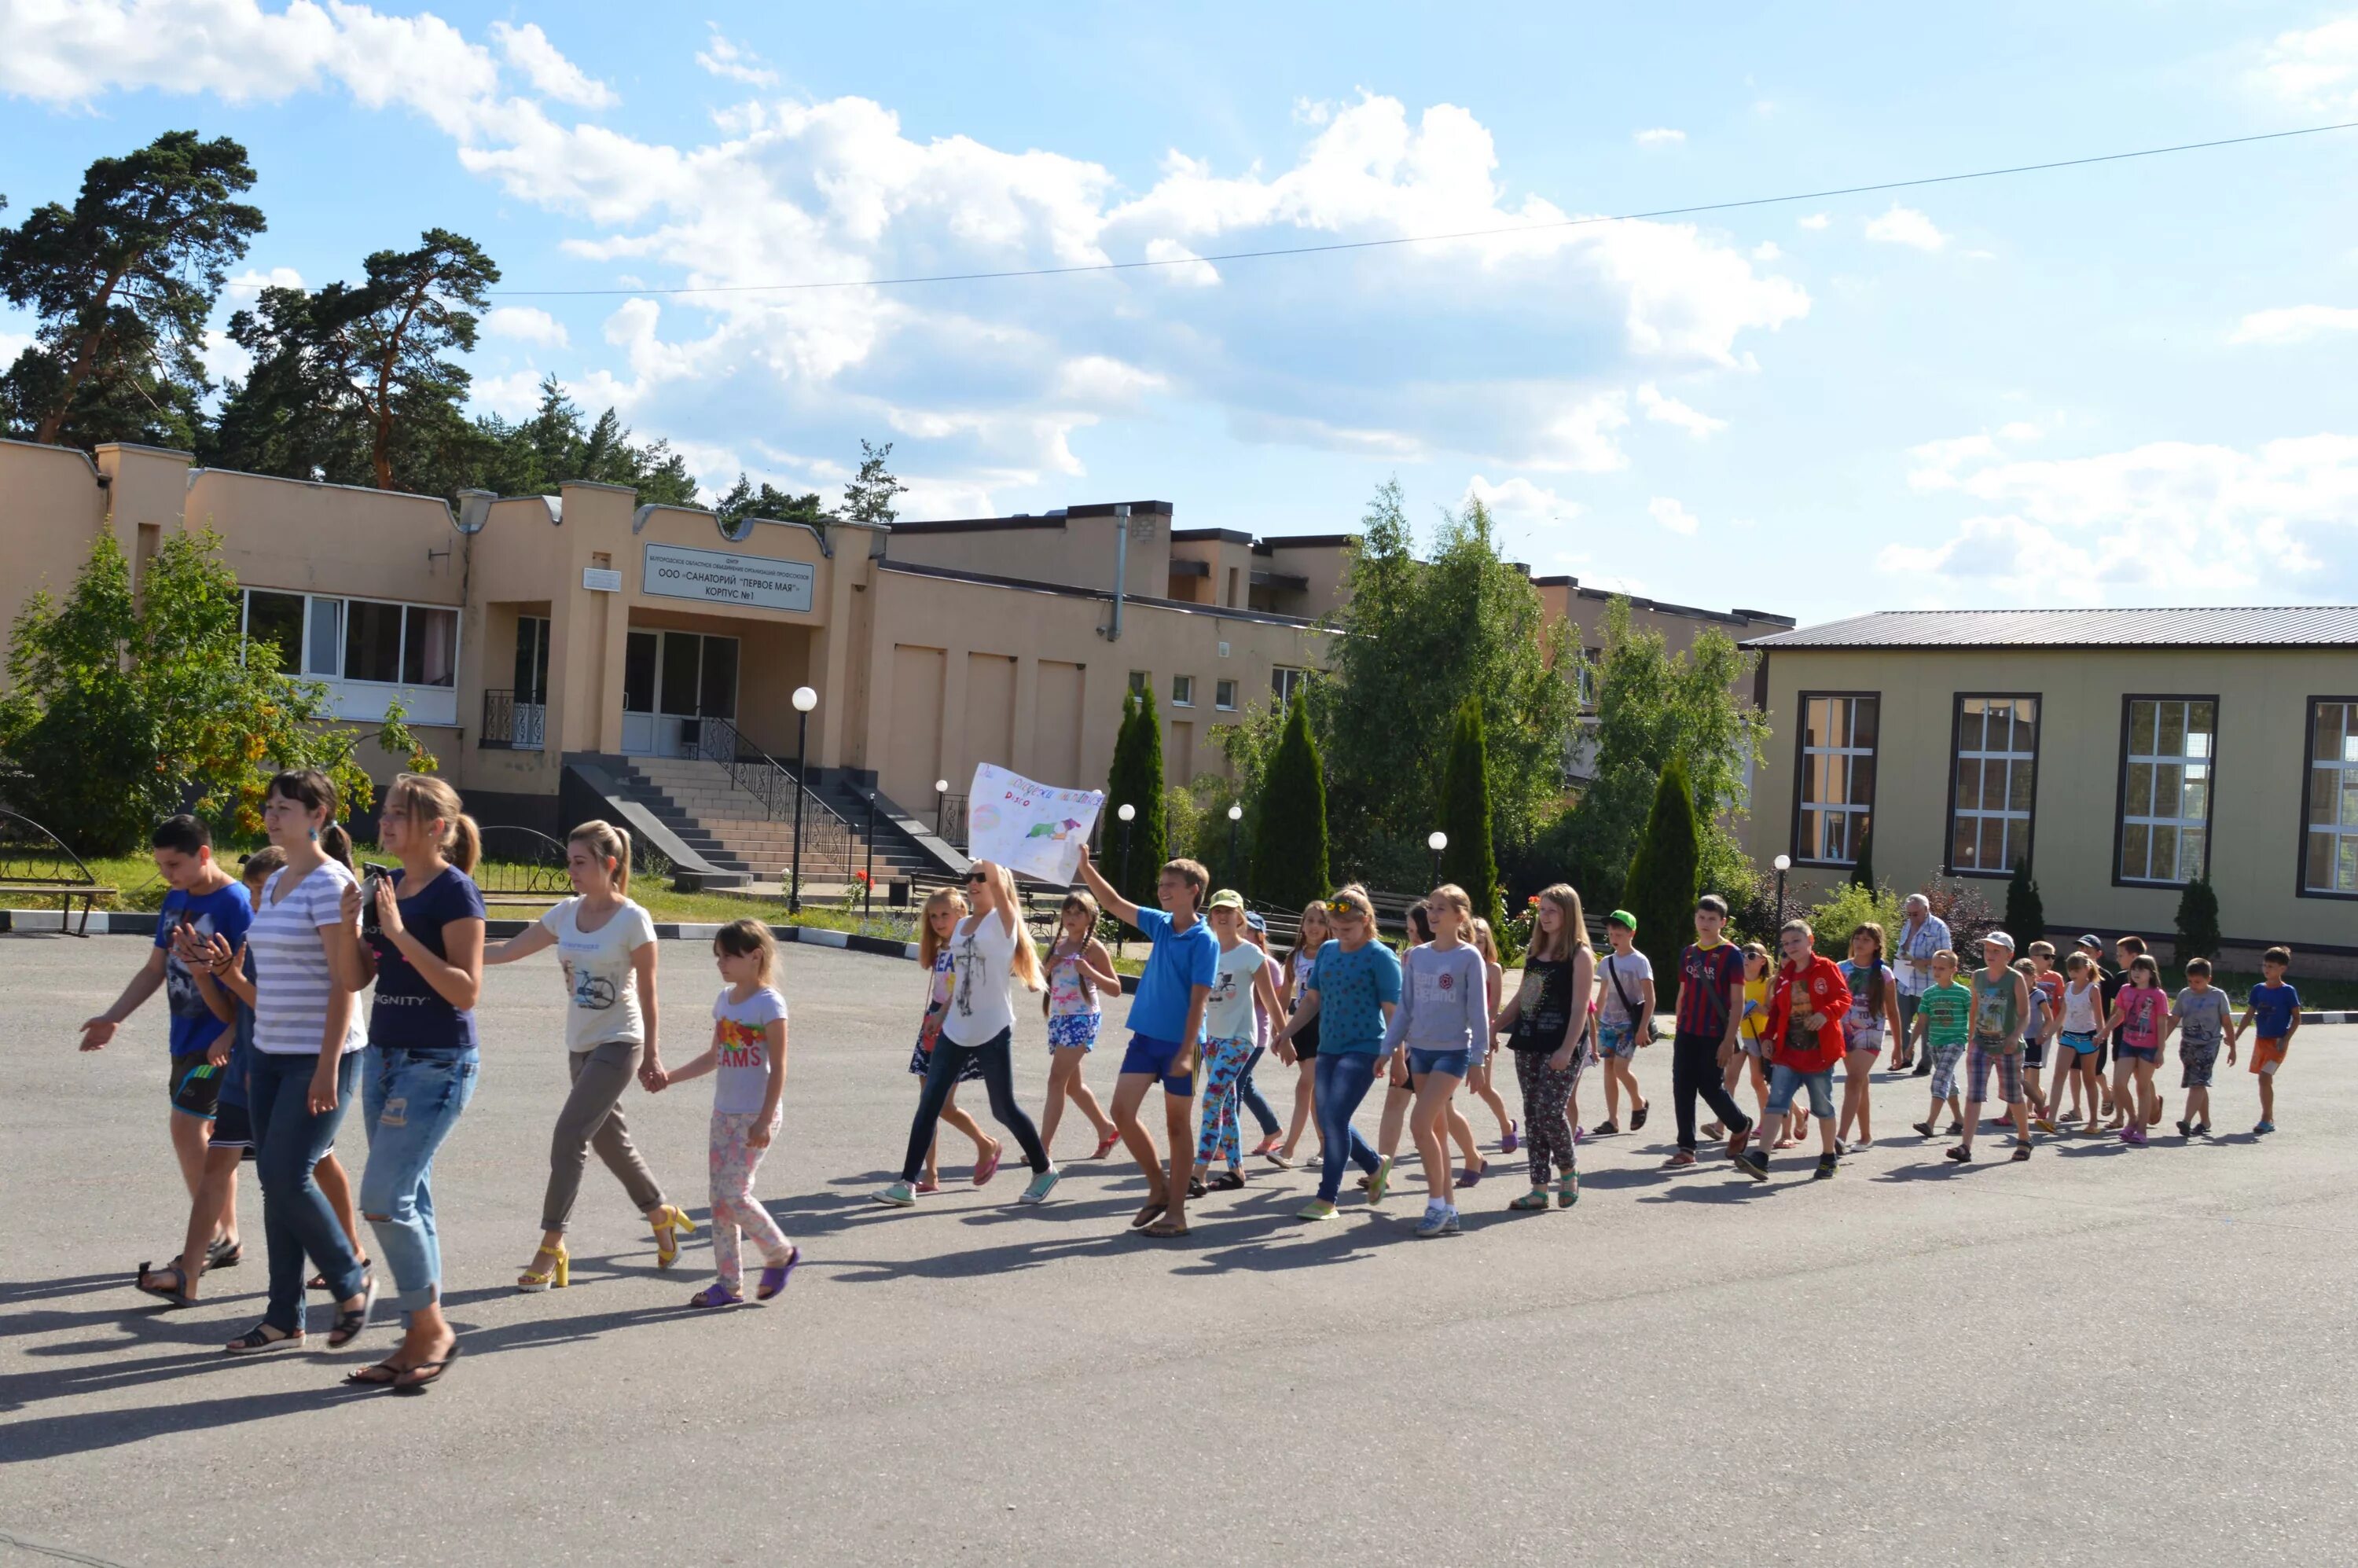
<point>1348,911</point>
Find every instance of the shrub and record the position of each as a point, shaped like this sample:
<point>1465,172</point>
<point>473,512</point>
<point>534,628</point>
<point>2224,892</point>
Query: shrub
<point>1967,913</point>
<point>2026,913</point>
<point>1662,884</point>
<point>2197,921</point>
<point>1846,908</point>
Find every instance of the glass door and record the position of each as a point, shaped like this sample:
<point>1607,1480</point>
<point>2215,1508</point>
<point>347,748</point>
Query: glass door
<point>641,653</point>
<point>670,681</point>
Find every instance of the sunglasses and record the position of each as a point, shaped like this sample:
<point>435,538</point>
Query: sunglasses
<point>975,878</point>
<point>1344,911</point>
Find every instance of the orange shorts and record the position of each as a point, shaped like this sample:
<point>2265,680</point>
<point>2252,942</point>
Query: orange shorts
<point>2267,1055</point>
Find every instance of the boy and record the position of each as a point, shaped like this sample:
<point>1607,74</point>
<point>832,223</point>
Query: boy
<point>1625,1019</point>
<point>203,902</point>
<point>1241,983</point>
<point>1711,1009</point>
<point>2200,1016</point>
<point>1166,1022</point>
<point>2048,984</point>
<point>2001,1008</point>
<point>1943,1020</point>
<point>2277,1008</point>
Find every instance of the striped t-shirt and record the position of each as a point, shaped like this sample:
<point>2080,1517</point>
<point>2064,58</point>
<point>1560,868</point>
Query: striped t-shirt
<point>292,982</point>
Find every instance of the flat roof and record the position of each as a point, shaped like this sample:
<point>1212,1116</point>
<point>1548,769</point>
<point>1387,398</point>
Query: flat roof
<point>1664,607</point>
<point>1198,535</point>
<point>2251,626</point>
<point>1071,590</point>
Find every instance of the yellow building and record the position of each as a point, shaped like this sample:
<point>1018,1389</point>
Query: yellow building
<point>2121,752</point>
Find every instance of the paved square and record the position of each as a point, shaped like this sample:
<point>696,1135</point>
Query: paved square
<point>2101,1352</point>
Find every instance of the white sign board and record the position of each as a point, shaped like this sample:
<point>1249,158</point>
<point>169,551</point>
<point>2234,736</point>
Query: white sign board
<point>602,580</point>
<point>1034,829</point>
<point>717,577</point>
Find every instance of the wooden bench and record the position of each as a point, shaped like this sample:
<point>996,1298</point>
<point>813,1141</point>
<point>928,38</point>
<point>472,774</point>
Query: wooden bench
<point>35,862</point>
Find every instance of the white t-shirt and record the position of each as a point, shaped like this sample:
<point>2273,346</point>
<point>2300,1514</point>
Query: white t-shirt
<point>600,982</point>
<point>292,982</point>
<point>1633,970</point>
<point>981,951</point>
<point>741,1080</point>
<point>1228,1008</point>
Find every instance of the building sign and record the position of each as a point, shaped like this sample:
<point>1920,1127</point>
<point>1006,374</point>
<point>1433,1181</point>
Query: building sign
<point>602,580</point>
<point>717,577</point>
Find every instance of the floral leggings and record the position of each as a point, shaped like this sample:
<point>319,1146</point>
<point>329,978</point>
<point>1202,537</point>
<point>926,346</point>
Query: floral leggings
<point>1224,1064</point>
<point>733,1208</point>
<point>1547,1119</point>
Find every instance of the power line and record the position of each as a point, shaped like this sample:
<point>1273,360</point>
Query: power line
<point>1338,245</point>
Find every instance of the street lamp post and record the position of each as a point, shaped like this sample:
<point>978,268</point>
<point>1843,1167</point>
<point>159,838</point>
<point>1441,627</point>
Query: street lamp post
<point>1436,842</point>
<point>1236,820</point>
<point>804,700</point>
<point>941,804</point>
<point>1783,864</point>
<point>1128,814</point>
<point>869,903</point>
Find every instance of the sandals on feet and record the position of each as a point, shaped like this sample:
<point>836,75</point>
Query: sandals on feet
<point>226,1252</point>
<point>1163,1229</point>
<point>1227,1182</point>
<point>714,1296</point>
<point>426,1374</point>
<point>262,1337</point>
<point>1147,1216</point>
<point>1106,1141</point>
<point>1531,1202</point>
<point>774,1277</point>
<point>366,1377</point>
<point>319,1281</point>
<point>350,1323</point>
<point>144,1283</point>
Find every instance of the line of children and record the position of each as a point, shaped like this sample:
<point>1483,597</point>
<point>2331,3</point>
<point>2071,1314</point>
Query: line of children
<point>1080,971</point>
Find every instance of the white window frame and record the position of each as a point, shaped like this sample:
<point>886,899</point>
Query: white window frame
<point>1858,816</point>
<point>1284,680</point>
<point>2017,823</point>
<point>2331,779</point>
<point>1182,691</point>
<point>2192,765</point>
<point>367,701</point>
<point>1224,696</point>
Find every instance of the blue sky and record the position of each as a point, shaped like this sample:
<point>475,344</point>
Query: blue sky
<point>2123,384</point>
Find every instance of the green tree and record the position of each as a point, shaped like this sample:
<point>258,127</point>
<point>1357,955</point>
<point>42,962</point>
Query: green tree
<point>536,456</point>
<point>418,310</point>
<point>868,497</point>
<point>1136,779</point>
<point>1466,817</point>
<point>121,285</point>
<point>2026,912</point>
<point>1862,870</point>
<point>2197,921</point>
<point>1663,880</point>
<point>743,500</point>
<point>1289,840</point>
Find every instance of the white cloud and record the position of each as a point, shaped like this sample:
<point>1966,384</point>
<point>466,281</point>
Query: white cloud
<point>734,61</point>
<point>1520,502</point>
<point>2315,68</point>
<point>528,49</point>
<point>1671,516</point>
<point>11,345</point>
<point>1184,266</point>
<point>2020,430</point>
<point>1906,226</point>
<point>1097,380</point>
<point>221,356</point>
<point>1312,111</point>
<point>1768,251</point>
<point>1659,137</point>
<point>524,325</point>
<point>1813,220</point>
<point>511,396</point>
<point>1670,411</point>
<point>1580,438</point>
<point>2294,324</point>
<point>254,280</point>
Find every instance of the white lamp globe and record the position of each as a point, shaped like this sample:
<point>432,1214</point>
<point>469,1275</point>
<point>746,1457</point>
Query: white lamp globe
<point>804,699</point>
<point>1783,862</point>
<point>1236,812</point>
<point>1126,811</point>
<point>1436,842</point>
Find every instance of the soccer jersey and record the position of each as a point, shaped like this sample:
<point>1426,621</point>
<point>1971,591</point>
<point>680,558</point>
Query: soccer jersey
<point>1705,976</point>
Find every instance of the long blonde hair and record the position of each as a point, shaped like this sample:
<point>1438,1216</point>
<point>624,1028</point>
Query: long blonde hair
<point>1024,962</point>
<point>929,946</point>
<point>1566,898</point>
<point>612,845</point>
<point>1485,941</point>
<point>425,800</point>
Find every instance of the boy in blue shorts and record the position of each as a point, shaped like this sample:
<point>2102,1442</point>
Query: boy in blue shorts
<point>1166,1023</point>
<point>2275,1008</point>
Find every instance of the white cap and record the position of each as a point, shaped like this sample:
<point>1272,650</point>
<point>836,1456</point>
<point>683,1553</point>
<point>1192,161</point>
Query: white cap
<point>2002,940</point>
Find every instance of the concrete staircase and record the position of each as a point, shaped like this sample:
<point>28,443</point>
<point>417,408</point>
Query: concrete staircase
<point>730,827</point>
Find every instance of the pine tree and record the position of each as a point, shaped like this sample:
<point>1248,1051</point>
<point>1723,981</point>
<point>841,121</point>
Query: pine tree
<point>2197,921</point>
<point>1136,779</point>
<point>1289,840</point>
<point>1662,885</point>
<point>2025,914</point>
<point>1465,816</point>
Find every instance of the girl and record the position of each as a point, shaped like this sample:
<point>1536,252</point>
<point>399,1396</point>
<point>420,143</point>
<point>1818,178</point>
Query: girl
<point>1399,1095</point>
<point>1355,981</point>
<point>1242,986</point>
<point>1546,1025</point>
<point>2081,1041</point>
<point>748,1060</point>
<point>606,946</point>
<point>1750,1039</point>
<point>1079,970</point>
<point>1873,1017</point>
<point>1249,1095</point>
<point>308,1045</point>
<point>943,909</point>
<point>1478,1074</point>
<point>985,949</point>
<point>1315,932</point>
<point>1443,1021</point>
<point>2138,1013</point>
<point>428,957</point>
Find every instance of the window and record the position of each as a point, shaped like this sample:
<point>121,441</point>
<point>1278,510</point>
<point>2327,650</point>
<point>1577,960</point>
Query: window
<point>429,647</point>
<point>2329,848</point>
<point>1284,680</point>
<point>1990,797</point>
<point>1224,696</point>
<point>1836,801</point>
<point>276,619</point>
<point>532,659</point>
<point>1182,691</point>
<point>2166,754</point>
<point>1141,683</point>
<point>327,640</point>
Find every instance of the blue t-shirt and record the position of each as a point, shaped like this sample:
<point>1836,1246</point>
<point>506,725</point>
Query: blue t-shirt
<point>1352,989</point>
<point>1177,963</point>
<point>2273,1008</point>
<point>225,912</point>
<point>410,1014</point>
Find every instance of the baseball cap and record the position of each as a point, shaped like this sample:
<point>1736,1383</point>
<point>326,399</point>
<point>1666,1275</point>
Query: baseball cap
<point>1253,919</point>
<point>1227,898</point>
<point>1622,917</point>
<point>2091,942</point>
<point>2001,939</point>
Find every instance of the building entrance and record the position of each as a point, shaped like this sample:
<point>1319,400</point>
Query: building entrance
<point>670,681</point>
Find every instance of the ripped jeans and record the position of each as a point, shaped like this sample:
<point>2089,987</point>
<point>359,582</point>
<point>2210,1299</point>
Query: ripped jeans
<point>411,1102</point>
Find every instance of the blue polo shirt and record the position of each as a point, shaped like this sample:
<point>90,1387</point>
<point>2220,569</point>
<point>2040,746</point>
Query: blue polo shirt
<point>1177,964</point>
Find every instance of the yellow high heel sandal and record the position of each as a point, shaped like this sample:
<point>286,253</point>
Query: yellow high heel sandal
<point>557,1276</point>
<point>669,1226</point>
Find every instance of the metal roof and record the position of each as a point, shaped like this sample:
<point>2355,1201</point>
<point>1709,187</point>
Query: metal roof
<point>2261,626</point>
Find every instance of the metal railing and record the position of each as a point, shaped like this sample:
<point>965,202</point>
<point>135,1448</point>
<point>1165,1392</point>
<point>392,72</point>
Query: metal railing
<point>829,847</point>
<point>510,725</point>
<point>949,820</point>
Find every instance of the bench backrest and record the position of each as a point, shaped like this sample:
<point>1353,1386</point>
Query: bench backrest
<point>31,853</point>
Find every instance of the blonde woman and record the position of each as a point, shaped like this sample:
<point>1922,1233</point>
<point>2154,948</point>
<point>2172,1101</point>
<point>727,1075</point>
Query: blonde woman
<point>1546,1025</point>
<point>987,948</point>
<point>606,944</point>
<point>1355,988</point>
<point>945,907</point>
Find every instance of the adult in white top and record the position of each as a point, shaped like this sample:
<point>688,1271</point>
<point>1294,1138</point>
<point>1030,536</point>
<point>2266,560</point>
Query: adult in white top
<point>987,948</point>
<point>606,946</point>
<point>1921,934</point>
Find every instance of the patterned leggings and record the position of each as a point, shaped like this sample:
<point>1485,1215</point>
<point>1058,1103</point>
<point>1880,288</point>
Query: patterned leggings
<point>733,1208</point>
<point>1547,1120</point>
<point>1224,1064</point>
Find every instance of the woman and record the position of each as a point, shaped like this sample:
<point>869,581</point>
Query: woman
<point>1873,1018</point>
<point>606,944</point>
<point>1356,984</point>
<point>987,948</point>
<point>428,957</point>
<point>1314,933</point>
<point>1546,1025</point>
<point>308,1044</point>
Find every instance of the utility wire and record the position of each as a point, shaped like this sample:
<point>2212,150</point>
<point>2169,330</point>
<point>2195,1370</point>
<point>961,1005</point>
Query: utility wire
<point>1338,245</point>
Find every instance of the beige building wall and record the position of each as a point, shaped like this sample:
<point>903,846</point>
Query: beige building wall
<point>52,510</point>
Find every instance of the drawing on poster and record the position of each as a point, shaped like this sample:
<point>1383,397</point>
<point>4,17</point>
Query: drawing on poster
<point>1034,829</point>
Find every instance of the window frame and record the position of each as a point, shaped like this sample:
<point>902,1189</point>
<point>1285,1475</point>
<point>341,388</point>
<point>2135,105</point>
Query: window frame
<point>1177,681</point>
<point>2309,771</point>
<point>1228,706</point>
<point>1801,701</point>
<point>2030,824</point>
<point>1141,683</point>
<point>1300,676</point>
<point>2121,787</point>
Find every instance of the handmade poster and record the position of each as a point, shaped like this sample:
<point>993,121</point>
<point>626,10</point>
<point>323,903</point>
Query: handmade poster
<point>1034,829</point>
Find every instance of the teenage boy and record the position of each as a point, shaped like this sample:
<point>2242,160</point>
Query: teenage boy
<point>2201,1015</point>
<point>2001,1008</point>
<point>1625,1019</point>
<point>1711,1007</point>
<point>1166,1023</point>
<point>204,900</point>
<point>1805,1044</point>
<point>2275,1008</point>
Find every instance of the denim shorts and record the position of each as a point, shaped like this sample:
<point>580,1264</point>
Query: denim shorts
<point>2078,1044</point>
<point>1616,1040</point>
<point>2149,1055</point>
<point>1453,1063</point>
<point>1783,1081</point>
<point>1153,1058</point>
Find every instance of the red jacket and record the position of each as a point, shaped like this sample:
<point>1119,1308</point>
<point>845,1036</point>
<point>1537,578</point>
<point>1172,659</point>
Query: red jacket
<point>1823,991</point>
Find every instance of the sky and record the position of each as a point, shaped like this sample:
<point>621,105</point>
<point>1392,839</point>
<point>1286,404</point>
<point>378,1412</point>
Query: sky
<point>2125,384</point>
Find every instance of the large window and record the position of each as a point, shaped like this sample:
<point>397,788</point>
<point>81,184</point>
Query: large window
<point>339,641</point>
<point>2168,747</point>
<point>2329,846</point>
<point>1284,680</point>
<point>1997,769</point>
<point>1836,800</point>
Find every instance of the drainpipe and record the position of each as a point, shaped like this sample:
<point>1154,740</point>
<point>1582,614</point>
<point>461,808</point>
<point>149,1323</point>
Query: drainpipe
<point>1120,570</point>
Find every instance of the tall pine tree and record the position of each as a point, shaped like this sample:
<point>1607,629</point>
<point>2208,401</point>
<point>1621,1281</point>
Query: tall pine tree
<point>2026,912</point>
<point>1465,816</point>
<point>1661,887</point>
<point>1136,780</point>
<point>1289,841</point>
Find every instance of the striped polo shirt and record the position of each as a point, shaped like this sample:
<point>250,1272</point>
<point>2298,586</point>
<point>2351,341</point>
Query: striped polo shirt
<point>292,982</point>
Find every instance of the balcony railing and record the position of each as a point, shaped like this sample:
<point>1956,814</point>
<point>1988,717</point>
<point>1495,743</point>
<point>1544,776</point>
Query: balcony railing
<point>510,725</point>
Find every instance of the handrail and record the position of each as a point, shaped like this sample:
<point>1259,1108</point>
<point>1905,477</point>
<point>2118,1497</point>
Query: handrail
<point>758,774</point>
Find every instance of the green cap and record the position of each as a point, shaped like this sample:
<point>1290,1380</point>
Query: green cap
<point>1227,898</point>
<point>1622,917</point>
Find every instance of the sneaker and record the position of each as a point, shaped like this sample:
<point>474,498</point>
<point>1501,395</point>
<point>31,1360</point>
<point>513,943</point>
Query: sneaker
<point>1755,1164</point>
<point>897,1196</point>
<point>1041,1186</point>
<point>1603,1129</point>
<point>1709,1128</point>
<point>2260,1129</point>
<point>2202,1129</point>
<point>1827,1165</point>
<point>1316,1209</point>
<point>1449,1225</point>
<point>1379,1183</point>
<point>1435,1221</point>
<point>1923,1129</point>
<point>1924,1069</point>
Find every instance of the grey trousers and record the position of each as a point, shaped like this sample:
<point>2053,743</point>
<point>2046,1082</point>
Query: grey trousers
<point>593,1119</point>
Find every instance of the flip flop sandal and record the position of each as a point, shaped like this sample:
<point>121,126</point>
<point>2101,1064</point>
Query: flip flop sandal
<point>366,1378</point>
<point>1106,1141</point>
<point>715,1296</point>
<point>1147,1216</point>
<point>773,1278</point>
<point>1231,1182</point>
<point>226,1253</point>
<point>177,1296</point>
<point>350,1324</point>
<point>1637,1117</point>
<point>1531,1202</point>
<point>1164,1230</point>
<point>422,1378</point>
<point>988,1167</point>
<point>1468,1178</point>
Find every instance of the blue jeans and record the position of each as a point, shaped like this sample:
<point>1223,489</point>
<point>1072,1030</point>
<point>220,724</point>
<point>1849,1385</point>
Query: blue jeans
<point>295,1219</point>
<point>1248,1093</point>
<point>1784,1082</point>
<point>412,1100</point>
<point>1344,1080</point>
